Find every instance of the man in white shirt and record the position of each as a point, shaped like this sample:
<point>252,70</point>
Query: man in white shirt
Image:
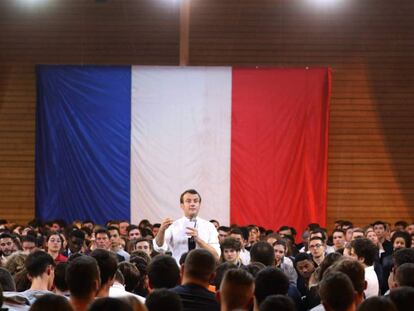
<point>188,232</point>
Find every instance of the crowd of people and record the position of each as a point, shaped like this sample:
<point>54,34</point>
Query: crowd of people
<point>193,264</point>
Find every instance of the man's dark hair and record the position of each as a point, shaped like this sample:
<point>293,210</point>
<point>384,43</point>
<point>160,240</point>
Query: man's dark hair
<point>37,262</point>
<point>60,276</point>
<point>354,270</point>
<point>404,235</point>
<point>119,277</point>
<point>131,275</point>
<point>190,191</point>
<point>132,227</point>
<point>221,269</point>
<point>377,303</point>
<point>200,264</point>
<point>403,256</point>
<point>109,304</point>
<point>403,298</point>
<point>223,228</point>
<point>156,225</point>
<point>401,223</point>
<point>163,272</point>
<point>49,302</point>
<point>379,222</point>
<point>163,300</point>
<point>107,262</point>
<point>347,224</point>
<point>102,230</point>
<point>113,228</point>
<point>301,257</point>
<point>404,276</point>
<point>338,230</point>
<point>7,281</point>
<point>336,291</point>
<point>254,268</point>
<point>270,281</point>
<point>262,252</point>
<point>365,248</point>
<point>5,235</point>
<point>240,231</point>
<point>236,284</point>
<point>29,238</point>
<point>278,302</point>
<point>81,276</point>
<point>230,243</point>
<point>317,238</point>
<point>320,230</point>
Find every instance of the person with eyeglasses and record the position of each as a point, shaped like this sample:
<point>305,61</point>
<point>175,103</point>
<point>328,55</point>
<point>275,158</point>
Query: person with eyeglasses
<point>317,249</point>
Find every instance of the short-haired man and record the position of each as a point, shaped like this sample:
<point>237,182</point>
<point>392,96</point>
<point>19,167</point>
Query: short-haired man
<point>163,300</point>
<point>115,246</point>
<point>317,249</point>
<point>380,229</point>
<point>404,275</point>
<point>123,225</point>
<point>336,292</point>
<point>305,267</point>
<point>262,252</point>
<point>28,244</point>
<point>133,232</point>
<point>108,264</point>
<point>223,232</point>
<point>197,271</point>
<point>163,272</point>
<point>83,281</point>
<point>145,245</point>
<point>40,270</point>
<point>338,239</point>
<point>6,246</point>
<point>102,239</point>
<point>364,251</point>
<point>400,257</point>
<point>188,232</point>
<point>270,281</point>
<point>236,290</point>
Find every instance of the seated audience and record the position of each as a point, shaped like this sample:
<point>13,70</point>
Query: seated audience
<point>163,272</point>
<point>236,290</point>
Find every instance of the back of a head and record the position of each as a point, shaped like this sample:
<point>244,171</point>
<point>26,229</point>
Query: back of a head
<point>107,262</point>
<point>199,264</point>
<point>354,270</point>
<point>221,269</point>
<point>270,281</point>
<point>7,281</point>
<point>277,302</point>
<point>365,248</point>
<point>163,272</point>
<point>262,252</point>
<point>254,268</point>
<point>51,302</point>
<point>336,291</point>
<point>404,275</point>
<point>60,276</point>
<point>163,300</point>
<point>377,303</point>
<point>82,277</point>
<point>402,256</point>
<point>130,274</point>
<point>109,304</point>
<point>37,263</point>
<point>403,298</point>
<point>237,289</point>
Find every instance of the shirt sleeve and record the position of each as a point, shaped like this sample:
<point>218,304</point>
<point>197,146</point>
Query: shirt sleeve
<point>213,239</point>
<point>167,241</point>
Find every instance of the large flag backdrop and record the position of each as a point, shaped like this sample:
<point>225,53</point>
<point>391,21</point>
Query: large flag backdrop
<point>123,142</point>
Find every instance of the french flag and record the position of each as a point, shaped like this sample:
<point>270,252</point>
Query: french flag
<point>123,142</point>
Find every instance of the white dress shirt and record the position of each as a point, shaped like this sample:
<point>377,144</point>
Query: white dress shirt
<point>176,238</point>
<point>372,282</point>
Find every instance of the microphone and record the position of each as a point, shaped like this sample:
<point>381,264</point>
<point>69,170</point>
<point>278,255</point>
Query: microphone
<point>191,240</point>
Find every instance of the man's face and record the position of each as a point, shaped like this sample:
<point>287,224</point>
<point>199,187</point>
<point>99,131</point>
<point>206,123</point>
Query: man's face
<point>28,246</point>
<point>357,235</point>
<point>316,248</point>
<point>379,230</point>
<point>134,234</point>
<point>410,229</point>
<point>238,237</point>
<point>254,235</point>
<point>338,239</point>
<point>348,234</point>
<point>230,255</point>
<point>123,228</point>
<point>88,225</point>
<point>114,238</point>
<point>55,227</point>
<point>6,246</point>
<point>222,235</point>
<point>102,240</point>
<point>143,246</point>
<point>190,205</point>
<point>399,243</point>
<point>372,236</point>
<point>75,244</point>
<point>286,232</point>
<point>305,268</point>
<point>353,255</point>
